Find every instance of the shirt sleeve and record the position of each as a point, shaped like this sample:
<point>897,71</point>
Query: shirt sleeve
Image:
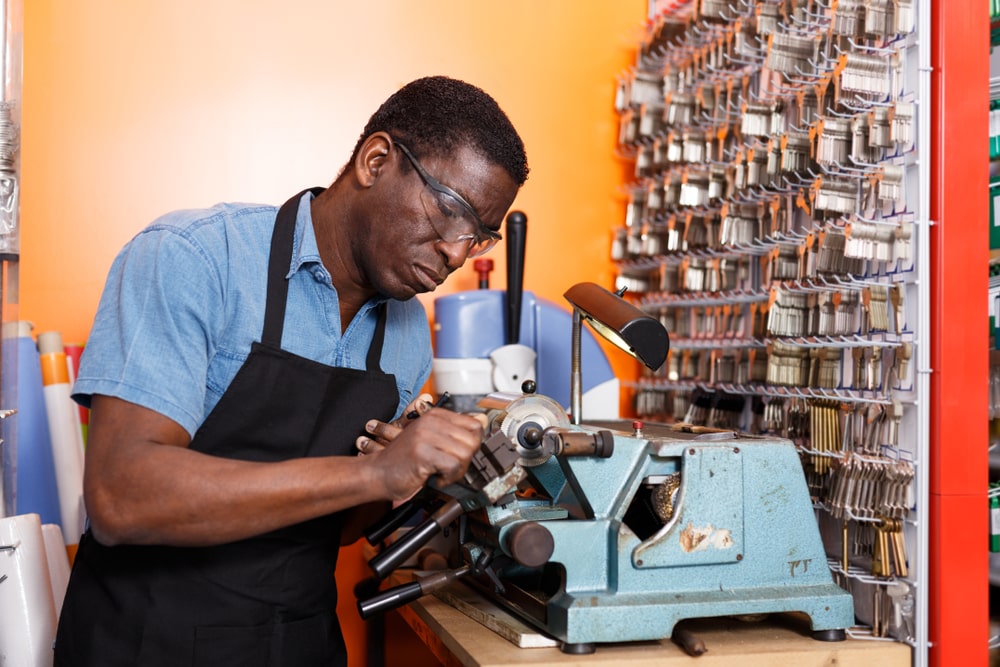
<point>153,331</point>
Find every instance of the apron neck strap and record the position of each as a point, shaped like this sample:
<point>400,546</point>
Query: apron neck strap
<point>278,263</point>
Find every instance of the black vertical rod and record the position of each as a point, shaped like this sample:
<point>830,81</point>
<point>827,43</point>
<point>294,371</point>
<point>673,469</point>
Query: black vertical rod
<point>516,231</point>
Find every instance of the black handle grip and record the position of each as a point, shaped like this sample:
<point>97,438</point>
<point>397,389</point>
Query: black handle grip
<point>389,599</point>
<point>396,553</point>
<point>517,232</point>
<point>388,524</point>
<point>397,596</point>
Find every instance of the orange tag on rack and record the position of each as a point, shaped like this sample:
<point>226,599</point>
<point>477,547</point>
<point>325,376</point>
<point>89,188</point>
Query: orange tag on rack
<point>720,134</point>
<point>800,200</point>
<point>775,208</point>
<point>875,178</point>
<point>838,69</point>
<point>815,130</point>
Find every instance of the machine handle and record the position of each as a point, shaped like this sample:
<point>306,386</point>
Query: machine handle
<point>393,520</point>
<point>397,596</point>
<point>396,553</point>
<point>516,231</point>
<point>389,599</point>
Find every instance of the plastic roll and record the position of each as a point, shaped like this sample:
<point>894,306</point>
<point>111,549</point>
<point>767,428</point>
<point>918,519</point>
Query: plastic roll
<point>55,554</point>
<point>26,607</point>
<point>27,431</point>
<point>8,468</point>
<point>73,354</point>
<point>67,441</point>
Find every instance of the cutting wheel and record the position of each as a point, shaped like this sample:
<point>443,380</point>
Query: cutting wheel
<point>523,420</point>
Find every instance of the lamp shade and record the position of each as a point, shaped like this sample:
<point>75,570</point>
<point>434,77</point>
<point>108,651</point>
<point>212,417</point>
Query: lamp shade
<point>622,323</point>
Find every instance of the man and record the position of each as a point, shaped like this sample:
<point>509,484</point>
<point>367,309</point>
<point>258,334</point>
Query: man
<point>237,355</point>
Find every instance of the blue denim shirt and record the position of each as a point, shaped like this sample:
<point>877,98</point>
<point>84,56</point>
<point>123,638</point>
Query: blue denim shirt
<point>185,299</point>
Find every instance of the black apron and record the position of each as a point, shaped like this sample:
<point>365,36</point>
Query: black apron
<point>269,600</point>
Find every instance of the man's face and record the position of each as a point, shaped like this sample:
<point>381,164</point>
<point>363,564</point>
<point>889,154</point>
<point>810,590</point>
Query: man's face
<point>419,233</point>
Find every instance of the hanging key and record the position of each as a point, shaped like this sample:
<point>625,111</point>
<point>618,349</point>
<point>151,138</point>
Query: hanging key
<point>895,414</point>
<point>902,125</point>
<point>846,18</point>
<point>902,362</point>
<point>790,53</point>
<point>875,369</point>
<point>890,187</point>
<point>879,19</point>
<point>865,73</point>
<point>897,297</point>
<point>878,308</point>
<point>880,127</point>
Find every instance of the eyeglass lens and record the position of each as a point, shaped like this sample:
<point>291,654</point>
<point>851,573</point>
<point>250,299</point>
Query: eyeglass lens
<point>452,223</point>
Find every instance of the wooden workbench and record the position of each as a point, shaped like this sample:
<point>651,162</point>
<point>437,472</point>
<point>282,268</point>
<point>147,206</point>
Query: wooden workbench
<point>780,640</point>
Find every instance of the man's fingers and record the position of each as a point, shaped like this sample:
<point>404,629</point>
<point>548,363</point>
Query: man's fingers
<point>384,433</point>
<point>414,409</point>
<point>366,445</point>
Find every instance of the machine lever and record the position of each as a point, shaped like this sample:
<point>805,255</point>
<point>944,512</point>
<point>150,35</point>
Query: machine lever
<point>396,553</point>
<point>395,519</point>
<point>397,596</point>
<point>516,238</point>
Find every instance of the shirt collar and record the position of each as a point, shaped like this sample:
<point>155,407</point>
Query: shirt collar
<point>305,249</point>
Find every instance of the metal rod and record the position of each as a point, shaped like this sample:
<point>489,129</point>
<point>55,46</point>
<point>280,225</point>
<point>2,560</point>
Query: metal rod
<point>576,379</point>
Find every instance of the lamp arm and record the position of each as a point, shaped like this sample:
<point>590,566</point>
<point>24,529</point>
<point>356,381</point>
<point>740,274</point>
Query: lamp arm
<point>576,374</point>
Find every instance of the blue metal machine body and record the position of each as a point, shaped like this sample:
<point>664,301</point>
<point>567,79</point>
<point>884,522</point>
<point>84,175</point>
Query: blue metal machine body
<point>742,538</point>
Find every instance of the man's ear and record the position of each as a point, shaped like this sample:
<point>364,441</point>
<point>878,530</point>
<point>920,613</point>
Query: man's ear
<point>372,158</point>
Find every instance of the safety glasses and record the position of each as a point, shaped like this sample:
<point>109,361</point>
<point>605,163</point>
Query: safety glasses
<point>453,218</point>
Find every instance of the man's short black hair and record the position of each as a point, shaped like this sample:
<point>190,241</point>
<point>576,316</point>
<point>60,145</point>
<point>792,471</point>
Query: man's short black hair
<point>435,115</point>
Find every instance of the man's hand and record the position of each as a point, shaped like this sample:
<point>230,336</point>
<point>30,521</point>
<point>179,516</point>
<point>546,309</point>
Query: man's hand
<point>381,433</point>
<point>408,451</point>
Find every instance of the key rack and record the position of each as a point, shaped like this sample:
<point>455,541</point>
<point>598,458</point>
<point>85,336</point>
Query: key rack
<point>773,225</point>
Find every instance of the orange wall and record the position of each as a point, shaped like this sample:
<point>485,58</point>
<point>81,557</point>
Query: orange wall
<point>131,109</point>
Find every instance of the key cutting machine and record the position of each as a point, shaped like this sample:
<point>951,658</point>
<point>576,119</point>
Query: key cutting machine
<point>612,531</point>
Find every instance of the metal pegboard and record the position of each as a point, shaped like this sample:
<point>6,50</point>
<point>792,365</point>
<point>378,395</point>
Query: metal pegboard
<point>776,222</point>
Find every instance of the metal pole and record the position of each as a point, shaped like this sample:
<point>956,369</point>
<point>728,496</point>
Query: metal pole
<point>576,379</point>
